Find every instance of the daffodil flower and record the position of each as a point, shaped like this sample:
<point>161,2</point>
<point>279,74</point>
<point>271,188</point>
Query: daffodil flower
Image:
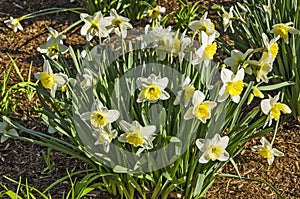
<point>271,46</point>
<point>119,24</point>
<point>5,130</point>
<point>232,85</point>
<point>207,50</point>
<point>155,13</point>
<point>137,135</point>
<point>273,109</point>
<point>236,59</point>
<point>255,93</point>
<point>94,25</point>
<point>260,68</point>
<point>283,30</point>
<point>267,151</point>
<point>213,149</point>
<point>152,88</point>
<point>179,45</point>
<point>51,80</point>
<point>14,24</point>
<point>104,136</point>
<point>55,34</point>
<point>100,116</point>
<point>53,47</point>
<point>187,91</point>
<point>201,109</point>
<point>227,19</point>
<point>88,80</point>
<point>203,25</point>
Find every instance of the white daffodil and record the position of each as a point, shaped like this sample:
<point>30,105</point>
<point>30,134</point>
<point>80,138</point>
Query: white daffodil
<point>94,25</point>
<point>161,39</point>
<point>227,19</point>
<point>232,85</point>
<point>267,8</point>
<point>271,46</point>
<point>119,24</point>
<point>137,135</point>
<point>55,34</point>
<point>260,68</point>
<point>88,80</point>
<point>201,109</point>
<point>14,24</point>
<point>155,13</point>
<point>203,25</point>
<point>283,30</point>
<point>152,88</point>
<point>237,59</point>
<point>53,47</point>
<point>100,116</point>
<point>5,130</point>
<point>187,90</point>
<point>207,50</point>
<point>213,149</point>
<point>104,136</point>
<point>51,80</point>
<point>267,151</point>
<point>273,109</point>
<point>179,46</point>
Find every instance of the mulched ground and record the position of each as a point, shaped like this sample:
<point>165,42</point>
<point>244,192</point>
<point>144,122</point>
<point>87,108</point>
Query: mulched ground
<point>25,159</point>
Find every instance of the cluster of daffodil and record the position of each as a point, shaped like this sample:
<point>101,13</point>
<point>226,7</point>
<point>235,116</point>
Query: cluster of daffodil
<point>200,114</point>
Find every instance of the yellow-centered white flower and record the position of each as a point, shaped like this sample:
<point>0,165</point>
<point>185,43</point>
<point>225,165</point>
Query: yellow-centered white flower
<point>227,19</point>
<point>283,30</point>
<point>213,149</point>
<point>119,24</point>
<point>155,13</point>
<point>203,25</point>
<point>88,79</point>
<point>232,85</point>
<point>104,136</point>
<point>260,68</point>
<point>51,80</point>
<point>5,131</point>
<point>237,59</point>
<point>137,135</point>
<point>100,116</point>
<point>14,24</point>
<point>152,88</point>
<point>267,151</point>
<point>272,108</point>
<point>187,92</point>
<point>207,50</point>
<point>271,46</point>
<point>201,109</point>
<point>94,25</point>
<point>53,47</point>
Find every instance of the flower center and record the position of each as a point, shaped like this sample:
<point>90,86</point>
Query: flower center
<point>188,93</point>
<point>154,13</point>
<point>53,49</point>
<point>117,22</point>
<point>210,51</point>
<point>202,111</point>
<point>104,138</point>
<point>274,49</point>
<point>135,138</point>
<point>152,92</point>
<point>282,31</point>
<point>275,111</point>
<point>47,80</point>
<point>215,151</point>
<point>98,119</point>
<point>265,152</point>
<point>234,88</point>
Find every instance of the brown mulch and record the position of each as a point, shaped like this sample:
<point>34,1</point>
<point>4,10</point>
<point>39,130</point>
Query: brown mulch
<point>24,159</point>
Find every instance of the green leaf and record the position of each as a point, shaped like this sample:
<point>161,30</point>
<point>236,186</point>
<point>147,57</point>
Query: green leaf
<point>199,184</point>
<point>275,86</point>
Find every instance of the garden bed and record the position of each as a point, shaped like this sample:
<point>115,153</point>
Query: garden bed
<point>22,159</point>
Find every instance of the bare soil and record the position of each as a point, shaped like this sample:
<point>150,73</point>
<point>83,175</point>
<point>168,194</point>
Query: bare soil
<point>23,159</point>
